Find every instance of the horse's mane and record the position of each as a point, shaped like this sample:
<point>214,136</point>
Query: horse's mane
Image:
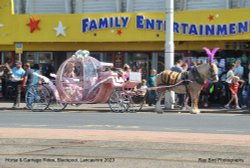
<point>203,69</point>
<point>207,66</point>
<point>202,66</point>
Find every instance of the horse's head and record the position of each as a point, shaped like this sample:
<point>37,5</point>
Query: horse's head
<point>209,71</point>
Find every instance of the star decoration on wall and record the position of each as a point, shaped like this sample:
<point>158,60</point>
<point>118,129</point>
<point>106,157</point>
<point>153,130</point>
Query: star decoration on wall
<point>33,24</point>
<point>119,32</point>
<point>60,29</point>
<point>211,18</point>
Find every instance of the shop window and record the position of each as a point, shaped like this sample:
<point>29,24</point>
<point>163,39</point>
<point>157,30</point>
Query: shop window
<point>38,57</point>
<point>69,54</point>
<point>139,62</point>
<point>102,56</point>
<point>7,57</point>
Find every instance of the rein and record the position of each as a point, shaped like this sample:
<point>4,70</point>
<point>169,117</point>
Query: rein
<point>170,86</point>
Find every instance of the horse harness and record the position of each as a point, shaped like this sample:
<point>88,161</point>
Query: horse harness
<point>197,77</point>
<point>171,77</point>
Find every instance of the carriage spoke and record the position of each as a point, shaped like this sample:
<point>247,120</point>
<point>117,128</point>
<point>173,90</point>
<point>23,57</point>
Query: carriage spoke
<point>37,98</point>
<point>117,102</point>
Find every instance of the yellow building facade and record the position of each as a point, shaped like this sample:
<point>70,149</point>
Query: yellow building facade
<point>117,33</point>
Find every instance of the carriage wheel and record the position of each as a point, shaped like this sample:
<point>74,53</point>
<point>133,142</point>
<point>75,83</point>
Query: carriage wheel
<point>118,101</point>
<point>37,98</point>
<point>136,103</point>
<point>134,107</point>
<point>57,106</point>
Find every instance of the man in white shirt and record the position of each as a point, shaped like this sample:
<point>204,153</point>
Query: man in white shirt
<point>230,75</point>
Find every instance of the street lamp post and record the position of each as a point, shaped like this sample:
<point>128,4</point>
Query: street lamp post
<point>169,48</point>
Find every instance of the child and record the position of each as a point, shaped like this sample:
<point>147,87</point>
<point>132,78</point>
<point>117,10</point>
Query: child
<point>234,86</point>
<point>140,93</point>
<point>143,88</point>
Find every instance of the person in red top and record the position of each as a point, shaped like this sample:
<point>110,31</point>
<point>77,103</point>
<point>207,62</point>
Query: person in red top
<point>234,87</point>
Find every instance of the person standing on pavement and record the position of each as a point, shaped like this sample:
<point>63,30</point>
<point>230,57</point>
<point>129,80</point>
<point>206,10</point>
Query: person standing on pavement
<point>37,69</point>
<point>17,78</point>
<point>229,77</point>
<point>192,65</point>
<point>184,98</point>
<point>239,70</point>
<point>234,87</point>
<point>151,83</point>
<point>184,67</point>
<point>28,77</point>
<point>178,68</point>
<point>5,75</point>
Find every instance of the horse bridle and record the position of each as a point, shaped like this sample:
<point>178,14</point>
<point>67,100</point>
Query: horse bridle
<point>212,73</point>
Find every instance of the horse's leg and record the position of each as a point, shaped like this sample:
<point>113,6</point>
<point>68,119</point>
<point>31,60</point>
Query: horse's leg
<point>194,102</point>
<point>158,103</point>
<point>187,98</point>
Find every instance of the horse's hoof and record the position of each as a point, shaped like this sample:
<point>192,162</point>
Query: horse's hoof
<point>195,112</point>
<point>159,111</point>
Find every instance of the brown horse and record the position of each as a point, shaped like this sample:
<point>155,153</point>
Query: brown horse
<point>195,78</point>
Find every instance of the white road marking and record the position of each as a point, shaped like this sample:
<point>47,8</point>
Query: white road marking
<point>238,131</point>
<point>33,125</point>
<point>107,126</point>
<point>178,129</point>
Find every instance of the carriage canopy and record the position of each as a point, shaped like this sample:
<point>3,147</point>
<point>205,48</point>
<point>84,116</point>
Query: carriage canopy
<point>77,76</point>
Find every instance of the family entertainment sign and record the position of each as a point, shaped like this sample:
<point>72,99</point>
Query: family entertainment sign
<point>145,23</point>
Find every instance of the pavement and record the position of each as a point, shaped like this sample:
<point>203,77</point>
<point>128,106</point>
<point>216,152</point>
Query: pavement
<point>105,108</point>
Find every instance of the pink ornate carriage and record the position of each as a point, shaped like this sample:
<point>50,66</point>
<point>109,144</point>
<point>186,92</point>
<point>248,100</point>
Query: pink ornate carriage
<point>82,79</point>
